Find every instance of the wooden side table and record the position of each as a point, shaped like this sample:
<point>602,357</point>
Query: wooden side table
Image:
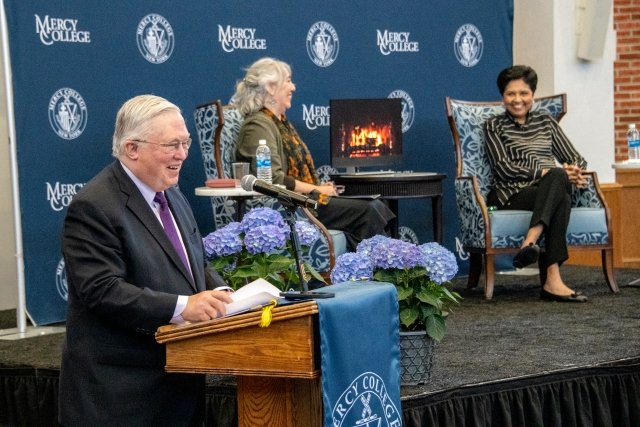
<point>238,194</point>
<point>396,186</point>
<point>628,176</point>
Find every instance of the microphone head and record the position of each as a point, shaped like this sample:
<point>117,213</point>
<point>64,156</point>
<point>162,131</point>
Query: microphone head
<point>247,182</point>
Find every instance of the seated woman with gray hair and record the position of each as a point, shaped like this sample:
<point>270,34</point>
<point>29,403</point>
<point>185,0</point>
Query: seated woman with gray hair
<point>263,96</point>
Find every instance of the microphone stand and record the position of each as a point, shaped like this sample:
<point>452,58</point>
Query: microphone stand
<point>304,294</point>
<point>290,218</point>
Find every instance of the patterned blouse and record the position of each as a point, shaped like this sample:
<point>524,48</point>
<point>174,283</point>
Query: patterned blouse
<point>518,153</point>
<point>299,161</point>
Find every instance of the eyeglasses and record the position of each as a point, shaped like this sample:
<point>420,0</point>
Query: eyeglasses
<point>169,147</point>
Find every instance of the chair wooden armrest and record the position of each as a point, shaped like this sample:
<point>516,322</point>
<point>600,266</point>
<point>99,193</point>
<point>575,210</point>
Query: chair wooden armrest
<point>325,232</point>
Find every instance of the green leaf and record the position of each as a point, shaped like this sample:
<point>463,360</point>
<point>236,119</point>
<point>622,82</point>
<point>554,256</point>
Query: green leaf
<point>389,276</point>
<point>417,273</point>
<point>428,298</point>
<point>451,296</point>
<point>408,316</point>
<point>427,311</point>
<point>435,327</point>
<point>314,273</point>
<point>247,272</point>
<point>404,293</point>
<point>220,264</point>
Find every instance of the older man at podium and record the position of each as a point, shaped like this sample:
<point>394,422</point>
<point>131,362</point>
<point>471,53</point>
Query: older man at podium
<point>134,261</point>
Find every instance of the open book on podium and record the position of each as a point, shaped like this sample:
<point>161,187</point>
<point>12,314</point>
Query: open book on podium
<point>252,296</point>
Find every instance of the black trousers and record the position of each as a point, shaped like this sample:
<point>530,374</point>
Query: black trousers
<point>358,218</point>
<point>550,201</point>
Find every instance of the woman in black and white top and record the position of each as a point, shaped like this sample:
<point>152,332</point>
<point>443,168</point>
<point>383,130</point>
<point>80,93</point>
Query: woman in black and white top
<point>534,166</point>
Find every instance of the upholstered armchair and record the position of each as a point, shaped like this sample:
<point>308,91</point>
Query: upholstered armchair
<point>218,128</point>
<point>486,233</point>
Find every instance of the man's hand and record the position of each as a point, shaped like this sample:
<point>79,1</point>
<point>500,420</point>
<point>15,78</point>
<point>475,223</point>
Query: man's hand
<point>576,175</point>
<point>206,305</point>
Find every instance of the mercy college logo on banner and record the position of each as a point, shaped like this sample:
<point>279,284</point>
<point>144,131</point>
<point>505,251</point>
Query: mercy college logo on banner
<point>322,44</point>
<point>60,195</point>
<point>61,280</point>
<point>233,38</point>
<point>468,45</point>
<point>408,110</point>
<point>395,42</point>
<point>67,113</point>
<point>65,30</point>
<point>315,116</point>
<point>366,402</point>
<point>155,38</point>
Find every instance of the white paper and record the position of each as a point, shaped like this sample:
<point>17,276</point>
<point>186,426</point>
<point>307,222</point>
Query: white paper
<point>252,295</point>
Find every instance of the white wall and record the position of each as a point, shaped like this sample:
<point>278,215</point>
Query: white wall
<point>545,38</point>
<point>8,270</point>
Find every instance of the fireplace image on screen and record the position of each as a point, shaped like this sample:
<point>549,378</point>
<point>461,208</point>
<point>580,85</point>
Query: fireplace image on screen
<point>366,133</point>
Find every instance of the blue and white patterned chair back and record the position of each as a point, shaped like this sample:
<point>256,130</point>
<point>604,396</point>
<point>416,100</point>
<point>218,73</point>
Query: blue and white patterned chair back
<point>207,125</point>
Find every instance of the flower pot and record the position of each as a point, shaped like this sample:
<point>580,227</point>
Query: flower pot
<point>416,357</point>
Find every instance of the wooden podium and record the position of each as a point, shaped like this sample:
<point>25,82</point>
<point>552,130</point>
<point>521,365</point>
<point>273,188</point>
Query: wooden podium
<point>277,367</point>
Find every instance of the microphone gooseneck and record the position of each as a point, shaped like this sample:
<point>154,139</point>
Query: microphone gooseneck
<point>286,197</point>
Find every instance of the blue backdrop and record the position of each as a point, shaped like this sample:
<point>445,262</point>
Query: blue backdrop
<point>74,62</point>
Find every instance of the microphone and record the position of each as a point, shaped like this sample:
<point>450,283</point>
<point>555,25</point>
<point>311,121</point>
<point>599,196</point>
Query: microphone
<point>251,183</point>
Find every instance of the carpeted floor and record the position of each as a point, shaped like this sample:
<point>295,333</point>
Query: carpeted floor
<point>515,334</point>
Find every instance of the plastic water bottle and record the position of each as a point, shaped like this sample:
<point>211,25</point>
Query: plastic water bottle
<point>263,161</point>
<point>633,139</point>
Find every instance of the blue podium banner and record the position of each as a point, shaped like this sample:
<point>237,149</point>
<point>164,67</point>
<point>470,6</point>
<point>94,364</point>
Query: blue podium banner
<point>74,62</point>
<point>360,348</point>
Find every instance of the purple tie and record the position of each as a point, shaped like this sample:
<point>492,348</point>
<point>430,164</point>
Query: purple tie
<point>169,228</point>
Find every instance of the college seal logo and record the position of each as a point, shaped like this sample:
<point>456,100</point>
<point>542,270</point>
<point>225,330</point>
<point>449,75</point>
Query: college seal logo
<point>408,110</point>
<point>468,45</point>
<point>67,113</point>
<point>322,44</point>
<point>155,38</point>
<point>366,403</point>
<point>61,280</point>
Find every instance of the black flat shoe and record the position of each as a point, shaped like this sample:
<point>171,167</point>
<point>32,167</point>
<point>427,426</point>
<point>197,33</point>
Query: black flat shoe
<point>574,297</point>
<point>526,256</point>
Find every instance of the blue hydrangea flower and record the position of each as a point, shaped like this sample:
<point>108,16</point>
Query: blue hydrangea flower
<point>265,239</point>
<point>231,266</point>
<point>224,241</point>
<point>352,266</point>
<point>368,246</point>
<point>440,263</point>
<point>394,253</point>
<point>234,227</point>
<point>261,216</point>
<point>307,232</point>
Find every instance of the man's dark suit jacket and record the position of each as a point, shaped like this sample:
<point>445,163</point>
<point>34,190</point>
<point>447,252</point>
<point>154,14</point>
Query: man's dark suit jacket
<point>124,278</point>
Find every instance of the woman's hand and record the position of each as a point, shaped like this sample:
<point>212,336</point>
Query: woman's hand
<point>327,189</point>
<point>576,175</point>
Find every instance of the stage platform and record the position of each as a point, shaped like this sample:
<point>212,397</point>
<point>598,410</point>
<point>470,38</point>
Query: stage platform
<point>512,361</point>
